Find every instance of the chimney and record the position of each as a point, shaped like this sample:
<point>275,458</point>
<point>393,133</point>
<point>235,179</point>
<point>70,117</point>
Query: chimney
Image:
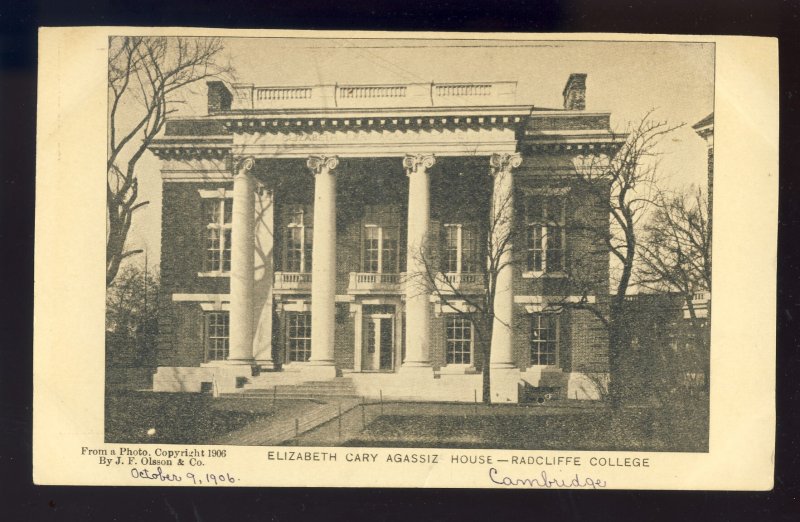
<point>219,97</point>
<point>575,92</point>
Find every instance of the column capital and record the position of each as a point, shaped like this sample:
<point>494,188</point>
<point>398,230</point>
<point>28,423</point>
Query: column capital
<point>243,165</point>
<point>504,162</point>
<point>319,163</point>
<point>415,162</point>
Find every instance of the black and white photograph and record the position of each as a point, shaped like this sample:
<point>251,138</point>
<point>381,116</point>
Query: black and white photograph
<point>409,243</point>
<point>359,259</point>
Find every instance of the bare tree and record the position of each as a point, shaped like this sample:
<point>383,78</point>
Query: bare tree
<point>472,296</point>
<point>675,253</point>
<point>622,186</point>
<point>626,184</point>
<point>146,76</point>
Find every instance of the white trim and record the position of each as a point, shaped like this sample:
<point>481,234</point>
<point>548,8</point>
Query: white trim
<point>194,298</point>
<point>213,274</point>
<point>377,300</point>
<point>557,362</point>
<point>567,114</point>
<point>453,307</point>
<point>543,308</point>
<point>380,227</point>
<point>554,191</point>
<point>528,299</point>
<point>302,226</point>
<point>545,224</point>
<point>536,274</point>
<point>552,299</point>
<point>378,149</point>
<point>461,366</point>
<point>216,307</point>
<point>219,193</point>
<point>221,226</point>
<point>295,306</point>
<point>413,113</point>
<point>362,143</point>
<point>457,369</point>
<point>195,176</point>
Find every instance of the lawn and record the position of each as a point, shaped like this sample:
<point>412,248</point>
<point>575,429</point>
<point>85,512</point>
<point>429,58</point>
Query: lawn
<point>180,418</point>
<point>539,428</point>
<point>184,418</point>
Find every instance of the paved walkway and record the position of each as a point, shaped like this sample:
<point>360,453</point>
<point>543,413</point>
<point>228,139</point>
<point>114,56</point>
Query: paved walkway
<point>277,429</point>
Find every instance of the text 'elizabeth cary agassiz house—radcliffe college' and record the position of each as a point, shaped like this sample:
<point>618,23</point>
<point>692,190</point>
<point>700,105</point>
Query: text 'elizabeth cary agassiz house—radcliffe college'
<point>297,222</point>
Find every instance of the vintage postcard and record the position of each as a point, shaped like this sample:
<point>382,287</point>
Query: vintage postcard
<point>405,259</point>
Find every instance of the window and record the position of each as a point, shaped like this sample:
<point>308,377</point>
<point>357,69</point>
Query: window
<point>461,249</point>
<point>298,336</point>
<point>217,214</point>
<point>544,339</point>
<point>459,340</point>
<point>546,230</point>
<point>217,336</point>
<point>299,243</point>
<point>380,249</point>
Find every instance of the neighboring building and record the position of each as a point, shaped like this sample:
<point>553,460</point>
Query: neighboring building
<point>286,222</point>
<point>705,129</point>
<point>669,332</point>
<point>668,343</point>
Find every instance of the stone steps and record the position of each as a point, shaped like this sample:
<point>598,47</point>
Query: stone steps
<point>339,387</point>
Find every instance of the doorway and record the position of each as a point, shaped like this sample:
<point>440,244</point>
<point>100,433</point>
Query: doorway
<point>378,344</point>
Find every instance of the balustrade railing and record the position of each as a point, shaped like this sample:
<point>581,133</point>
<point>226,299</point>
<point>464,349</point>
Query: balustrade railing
<point>282,93</point>
<point>457,281</point>
<point>378,91</point>
<point>374,281</point>
<point>463,89</point>
<point>248,96</point>
<point>292,280</point>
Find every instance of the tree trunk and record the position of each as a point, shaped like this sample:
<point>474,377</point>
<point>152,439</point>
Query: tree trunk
<point>486,344</point>
<point>486,394</point>
<point>616,343</point>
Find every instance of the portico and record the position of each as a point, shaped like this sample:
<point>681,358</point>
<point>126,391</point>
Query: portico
<point>326,280</point>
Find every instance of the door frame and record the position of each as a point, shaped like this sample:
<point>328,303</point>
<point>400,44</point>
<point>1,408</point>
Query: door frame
<point>378,317</point>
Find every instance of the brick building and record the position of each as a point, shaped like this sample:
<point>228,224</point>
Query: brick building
<point>705,129</point>
<point>294,217</point>
<point>669,344</point>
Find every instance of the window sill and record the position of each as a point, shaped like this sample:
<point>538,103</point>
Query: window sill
<point>213,274</point>
<point>545,368</point>
<point>214,363</point>
<point>457,369</point>
<point>549,275</point>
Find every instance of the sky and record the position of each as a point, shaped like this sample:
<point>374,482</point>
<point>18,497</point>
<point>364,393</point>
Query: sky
<point>627,79</point>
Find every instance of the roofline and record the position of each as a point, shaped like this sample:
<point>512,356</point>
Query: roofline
<point>338,84</point>
<point>348,112</point>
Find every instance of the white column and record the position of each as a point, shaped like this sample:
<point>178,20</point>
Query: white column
<point>264,278</point>
<point>242,252</point>
<point>502,355</point>
<point>416,288</point>
<point>323,269</point>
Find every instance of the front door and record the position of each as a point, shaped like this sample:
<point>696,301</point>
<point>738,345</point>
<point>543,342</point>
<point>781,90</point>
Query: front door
<point>378,343</point>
